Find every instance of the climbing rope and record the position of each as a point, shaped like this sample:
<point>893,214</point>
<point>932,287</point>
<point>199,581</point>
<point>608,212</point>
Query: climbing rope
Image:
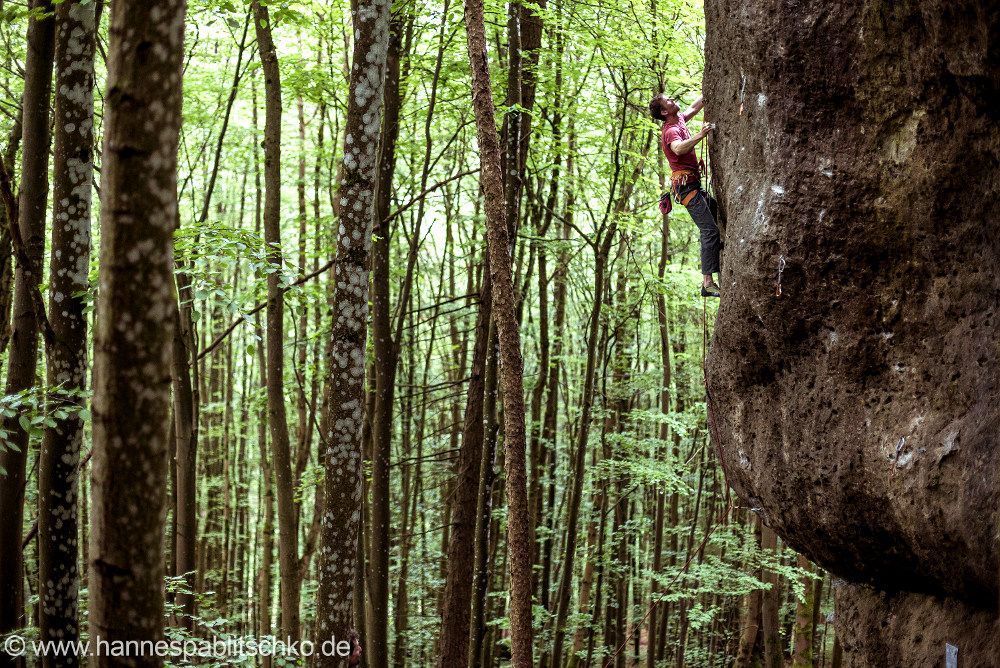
<point>706,173</point>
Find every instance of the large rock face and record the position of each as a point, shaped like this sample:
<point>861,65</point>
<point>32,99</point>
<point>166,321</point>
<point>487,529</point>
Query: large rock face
<point>858,406</point>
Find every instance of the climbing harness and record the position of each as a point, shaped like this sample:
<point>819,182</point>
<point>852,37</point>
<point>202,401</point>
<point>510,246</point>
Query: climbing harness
<point>679,179</point>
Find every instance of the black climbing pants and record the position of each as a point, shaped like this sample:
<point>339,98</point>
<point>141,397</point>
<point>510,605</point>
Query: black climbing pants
<point>702,209</point>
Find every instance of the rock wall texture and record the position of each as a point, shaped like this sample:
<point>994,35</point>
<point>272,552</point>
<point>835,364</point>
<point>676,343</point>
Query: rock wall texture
<point>854,374</point>
<point>908,630</point>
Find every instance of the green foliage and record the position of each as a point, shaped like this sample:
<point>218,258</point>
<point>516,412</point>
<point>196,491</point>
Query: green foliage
<point>37,409</point>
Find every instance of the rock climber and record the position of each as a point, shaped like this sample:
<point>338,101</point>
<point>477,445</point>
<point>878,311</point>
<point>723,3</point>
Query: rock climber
<point>685,180</point>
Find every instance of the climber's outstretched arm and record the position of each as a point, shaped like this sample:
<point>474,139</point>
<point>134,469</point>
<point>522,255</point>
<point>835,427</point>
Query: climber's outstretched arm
<point>698,105</point>
<point>682,146</point>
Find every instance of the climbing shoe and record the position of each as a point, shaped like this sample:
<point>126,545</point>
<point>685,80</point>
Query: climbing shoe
<point>710,290</point>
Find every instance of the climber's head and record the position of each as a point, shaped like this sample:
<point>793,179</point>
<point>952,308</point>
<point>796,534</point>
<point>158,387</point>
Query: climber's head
<point>662,107</point>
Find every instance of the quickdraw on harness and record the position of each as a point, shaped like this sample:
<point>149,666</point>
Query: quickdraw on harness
<point>678,179</point>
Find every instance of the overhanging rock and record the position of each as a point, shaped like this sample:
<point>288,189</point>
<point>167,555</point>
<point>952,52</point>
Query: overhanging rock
<point>855,369</point>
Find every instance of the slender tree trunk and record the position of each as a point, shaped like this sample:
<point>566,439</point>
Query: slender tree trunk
<point>266,536</point>
<point>453,645</point>
<point>385,362</point>
<point>224,595</point>
<point>837,660</point>
<point>549,364</point>
<point>6,277</point>
<point>548,510</point>
<point>747,653</point>
<point>487,528</point>
<point>135,324</point>
<point>185,447</point>
<point>536,452</point>
<point>346,366</point>
<point>263,588</point>
<point>817,601</point>
<point>302,417</point>
<point>771,606</point>
<point>596,562</point>
<point>7,210</point>
<point>616,397</point>
<point>288,550</point>
<point>511,362</point>
<point>802,636</point>
<point>29,243</point>
<point>412,488</point>
<point>58,472</point>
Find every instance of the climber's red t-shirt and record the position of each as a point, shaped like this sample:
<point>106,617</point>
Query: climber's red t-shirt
<point>671,133</point>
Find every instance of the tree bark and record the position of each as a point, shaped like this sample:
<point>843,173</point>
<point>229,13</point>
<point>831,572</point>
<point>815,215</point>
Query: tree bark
<point>802,635</point>
<point>58,578</point>
<point>453,645</point>
<point>343,453</point>
<point>263,587</point>
<point>487,528</point>
<point>135,324</point>
<point>185,382</point>
<point>511,362</point>
<point>266,536</point>
<point>29,242</point>
<point>550,360</point>
<point>185,446</point>
<point>7,211</point>
<point>386,357</point>
<point>288,550</point>
<point>770,606</point>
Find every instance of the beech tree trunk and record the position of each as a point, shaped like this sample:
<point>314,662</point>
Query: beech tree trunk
<point>263,588</point>
<point>288,550</point>
<point>343,448</point>
<point>770,606</point>
<point>386,358</point>
<point>135,324</point>
<point>266,535</point>
<point>453,644</point>
<point>511,362</point>
<point>185,445</point>
<point>58,470</point>
<point>29,243</point>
